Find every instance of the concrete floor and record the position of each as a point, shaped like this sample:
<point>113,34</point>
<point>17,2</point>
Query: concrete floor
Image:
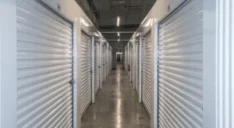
<point>116,105</point>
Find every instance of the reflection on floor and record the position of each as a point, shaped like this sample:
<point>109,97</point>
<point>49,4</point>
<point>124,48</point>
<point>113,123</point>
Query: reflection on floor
<point>116,105</point>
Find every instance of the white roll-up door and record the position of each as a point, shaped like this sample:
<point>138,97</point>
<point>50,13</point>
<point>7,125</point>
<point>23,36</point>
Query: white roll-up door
<point>147,74</point>
<point>134,65</point>
<point>131,62</point>
<point>85,73</point>
<point>103,63</point>
<point>137,66</point>
<point>97,67</point>
<point>180,68</point>
<point>44,67</point>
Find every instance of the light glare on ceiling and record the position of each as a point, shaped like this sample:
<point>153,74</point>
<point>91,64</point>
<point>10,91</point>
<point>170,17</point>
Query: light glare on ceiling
<point>118,34</point>
<point>148,23</point>
<point>96,34</point>
<point>84,22</point>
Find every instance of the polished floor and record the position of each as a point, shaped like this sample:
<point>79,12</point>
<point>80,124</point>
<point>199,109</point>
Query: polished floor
<point>116,105</point>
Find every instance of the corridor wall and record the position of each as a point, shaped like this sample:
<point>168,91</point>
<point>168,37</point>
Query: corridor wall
<point>44,50</point>
<point>190,63</point>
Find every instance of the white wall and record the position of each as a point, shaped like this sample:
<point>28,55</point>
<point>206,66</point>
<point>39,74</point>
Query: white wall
<point>8,63</point>
<point>0,79</point>
<point>218,65</point>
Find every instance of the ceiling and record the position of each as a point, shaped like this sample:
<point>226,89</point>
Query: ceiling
<point>104,13</point>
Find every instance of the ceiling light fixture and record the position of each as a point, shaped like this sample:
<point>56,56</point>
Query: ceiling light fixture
<point>118,21</point>
<point>118,40</point>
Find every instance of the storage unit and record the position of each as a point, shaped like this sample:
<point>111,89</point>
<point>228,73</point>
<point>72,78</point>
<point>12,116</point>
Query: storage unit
<point>147,76</point>
<point>131,62</point>
<point>85,73</point>
<point>137,66</point>
<point>181,67</point>
<point>44,67</point>
<point>103,62</point>
<point>134,65</point>
<point>97,66</point>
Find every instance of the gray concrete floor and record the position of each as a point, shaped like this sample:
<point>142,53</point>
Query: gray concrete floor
<point>116,105</point>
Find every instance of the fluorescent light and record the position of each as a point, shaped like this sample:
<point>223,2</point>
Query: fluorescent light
<point>118,40</point>
<point>84,22</point>
<point>118,34</point>
<point>118,21</point>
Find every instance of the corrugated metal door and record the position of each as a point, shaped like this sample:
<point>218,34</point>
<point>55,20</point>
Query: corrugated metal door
<point>131,63</point>
<point>147,74</point>
<point>137,66</point>
<point>44,67</point>
<point>134,65</point>
<point>85,73</point>
<point>180,68</point>
<point>103,63</point>
<point>105,60</point>
<point>97,67</point>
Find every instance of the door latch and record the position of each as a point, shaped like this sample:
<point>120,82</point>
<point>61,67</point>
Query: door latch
<point>72,82</point>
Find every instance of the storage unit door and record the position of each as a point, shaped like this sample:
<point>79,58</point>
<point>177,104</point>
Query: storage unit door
<point>180,68</point>
<point>97,67</point>
<point>147,74</point>
<point>44,67</point>
<point>134,65</point>
<point>103,63</point>
<point>85,72</point>
<point>137,67</point>
<point>142,46</point>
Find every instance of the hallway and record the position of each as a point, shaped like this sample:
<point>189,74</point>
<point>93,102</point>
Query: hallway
<point>116,105</point>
